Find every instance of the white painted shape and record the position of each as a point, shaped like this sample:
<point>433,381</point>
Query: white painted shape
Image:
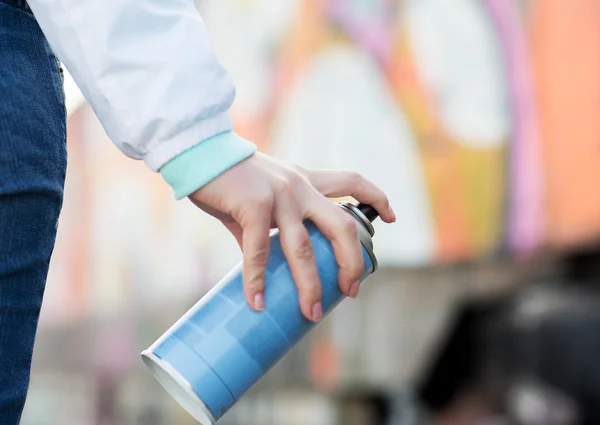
<point>245,36</point>
<point>457,55</point>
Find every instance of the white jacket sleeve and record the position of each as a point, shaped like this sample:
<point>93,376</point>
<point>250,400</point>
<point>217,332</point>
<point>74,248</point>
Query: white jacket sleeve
<point>146,68</point>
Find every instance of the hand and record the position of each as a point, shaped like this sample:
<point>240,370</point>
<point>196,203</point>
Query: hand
<point>261,193</point>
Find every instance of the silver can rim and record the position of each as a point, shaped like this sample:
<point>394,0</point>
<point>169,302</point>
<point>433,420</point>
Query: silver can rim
<point>178,387</point>
<point>358,213</point>
<point>365,239</point>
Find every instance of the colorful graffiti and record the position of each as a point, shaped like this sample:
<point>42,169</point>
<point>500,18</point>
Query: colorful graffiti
<point>480,119</point>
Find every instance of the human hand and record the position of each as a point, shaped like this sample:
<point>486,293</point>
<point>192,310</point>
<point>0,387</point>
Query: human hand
<point>261,193</point>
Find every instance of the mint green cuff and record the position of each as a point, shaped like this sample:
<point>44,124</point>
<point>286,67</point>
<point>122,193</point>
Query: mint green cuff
<point>204,162</point>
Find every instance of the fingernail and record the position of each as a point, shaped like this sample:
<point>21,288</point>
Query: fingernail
<point>392,213</point>
<point>317,311</point>
<point>354,289</point>
<point>259,301</point>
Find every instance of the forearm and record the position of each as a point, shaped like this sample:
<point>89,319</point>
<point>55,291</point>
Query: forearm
<point>147,70</point>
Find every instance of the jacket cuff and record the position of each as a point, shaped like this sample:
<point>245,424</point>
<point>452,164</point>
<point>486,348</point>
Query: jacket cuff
<point>162,152</point>
<point>199,165</point>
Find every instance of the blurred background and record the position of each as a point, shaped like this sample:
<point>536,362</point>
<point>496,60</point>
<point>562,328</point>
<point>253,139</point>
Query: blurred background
<point>481,120</point>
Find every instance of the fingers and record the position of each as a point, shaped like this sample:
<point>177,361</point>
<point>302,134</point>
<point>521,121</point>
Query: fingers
<point>255,247</point>
<point>341,231</point>
<point>299,253</point>
<point>338,183</point>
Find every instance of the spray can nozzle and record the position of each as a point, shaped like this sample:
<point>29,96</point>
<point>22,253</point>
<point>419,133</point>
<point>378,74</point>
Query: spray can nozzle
<point>368,211</point>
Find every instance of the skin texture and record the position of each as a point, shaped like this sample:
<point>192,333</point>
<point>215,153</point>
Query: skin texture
<point>262,193</point>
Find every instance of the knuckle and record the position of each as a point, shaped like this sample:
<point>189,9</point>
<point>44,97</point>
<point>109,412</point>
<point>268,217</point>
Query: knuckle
<point>303,248</point>
<point>296,178</point>
<point>354,177</point>
<point>282,186</point>
<point>353,270</point>
<point>300,170</point>
<point>263,201</point>
<point>259,258</point>
<point>254,280</point>
<point>348,226</point>
<point>356,270</point>
<point>351,263</point>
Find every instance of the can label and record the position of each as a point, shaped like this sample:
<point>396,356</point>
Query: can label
<point>222,347</point>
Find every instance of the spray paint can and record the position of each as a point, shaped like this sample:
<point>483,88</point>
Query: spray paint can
<point>221,347</point>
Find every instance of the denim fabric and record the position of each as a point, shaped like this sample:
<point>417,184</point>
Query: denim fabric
<point>32,172</point>
<point>21,4</point>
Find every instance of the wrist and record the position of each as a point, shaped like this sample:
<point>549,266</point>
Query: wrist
<point>199,165</point>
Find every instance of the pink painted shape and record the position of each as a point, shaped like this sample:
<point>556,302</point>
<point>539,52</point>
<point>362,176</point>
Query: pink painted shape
<point>524,232</point>
<point>373,31</point>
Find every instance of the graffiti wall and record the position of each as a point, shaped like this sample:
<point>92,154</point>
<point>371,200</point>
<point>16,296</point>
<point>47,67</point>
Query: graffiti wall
<point>481,119</point>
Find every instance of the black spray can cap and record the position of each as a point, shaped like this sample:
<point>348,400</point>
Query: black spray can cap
<point>368,211</point>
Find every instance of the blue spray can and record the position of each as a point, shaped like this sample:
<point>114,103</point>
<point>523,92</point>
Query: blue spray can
<point>221,347</point>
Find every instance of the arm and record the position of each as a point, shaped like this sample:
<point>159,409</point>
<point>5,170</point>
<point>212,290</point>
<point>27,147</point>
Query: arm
<point>148,72</point>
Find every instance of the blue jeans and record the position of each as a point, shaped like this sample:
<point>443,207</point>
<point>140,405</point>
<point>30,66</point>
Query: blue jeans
<point>32,172</point>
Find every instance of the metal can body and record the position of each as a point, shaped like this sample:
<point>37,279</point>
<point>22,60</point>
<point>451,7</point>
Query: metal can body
<point>221,347</point>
